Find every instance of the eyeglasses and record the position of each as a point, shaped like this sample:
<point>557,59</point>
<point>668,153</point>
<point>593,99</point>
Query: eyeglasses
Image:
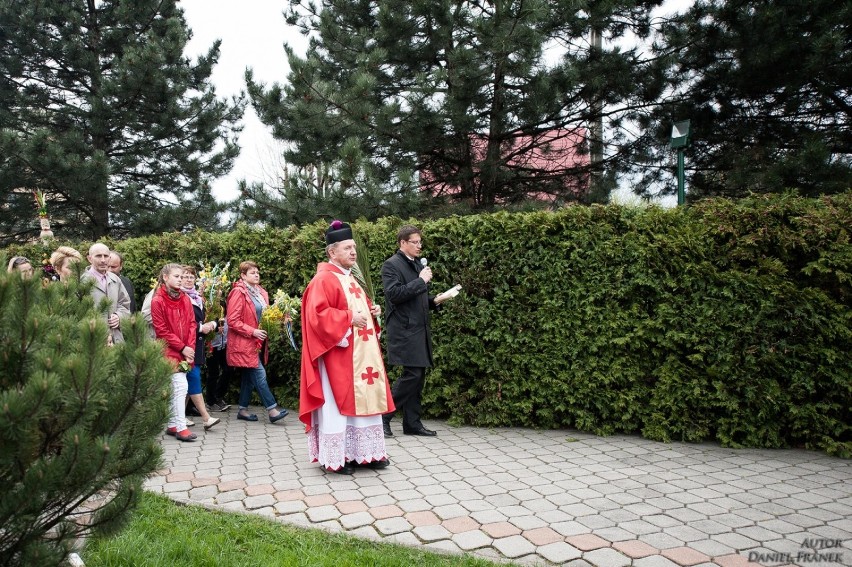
<point>418,243</point>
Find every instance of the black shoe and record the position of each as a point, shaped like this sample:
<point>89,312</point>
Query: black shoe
<point>192,411</point>
<point>383,464</point>
<point>422,431</point>
<point>386,427</point>
<point>345,469</point>
<point>375,465</point>
<point>282,413</point>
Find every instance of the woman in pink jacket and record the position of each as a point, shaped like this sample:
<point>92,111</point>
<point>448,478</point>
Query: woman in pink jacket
<point>247,349</point>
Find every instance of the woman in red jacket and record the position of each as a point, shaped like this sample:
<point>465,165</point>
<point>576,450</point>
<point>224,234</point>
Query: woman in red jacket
<point>247,348</point>
<point>174,324</point>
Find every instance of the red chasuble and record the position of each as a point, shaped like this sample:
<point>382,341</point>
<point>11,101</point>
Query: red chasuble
<point>356,372</point>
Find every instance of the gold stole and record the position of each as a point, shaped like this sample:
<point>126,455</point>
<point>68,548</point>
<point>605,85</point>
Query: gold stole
<point>369,378</point>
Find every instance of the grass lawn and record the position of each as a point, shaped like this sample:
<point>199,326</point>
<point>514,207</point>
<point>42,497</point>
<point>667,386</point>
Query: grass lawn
<point>162,533</point>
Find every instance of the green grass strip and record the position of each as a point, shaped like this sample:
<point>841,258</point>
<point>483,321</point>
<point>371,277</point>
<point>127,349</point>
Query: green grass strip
<point>163,533</point>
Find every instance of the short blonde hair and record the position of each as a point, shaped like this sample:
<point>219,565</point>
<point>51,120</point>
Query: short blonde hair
<point>63,255</point>
<point>246,266</point>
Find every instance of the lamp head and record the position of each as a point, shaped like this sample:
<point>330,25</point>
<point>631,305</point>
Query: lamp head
<point>680,135</point>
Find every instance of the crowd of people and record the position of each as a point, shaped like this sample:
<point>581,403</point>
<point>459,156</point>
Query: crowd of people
<point>345,399</point>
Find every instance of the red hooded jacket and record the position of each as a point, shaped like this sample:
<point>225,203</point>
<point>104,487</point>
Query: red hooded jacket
<point>174,322</point>
<point>242,347</point>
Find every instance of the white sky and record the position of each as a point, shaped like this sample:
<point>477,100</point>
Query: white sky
<point>253,33</point>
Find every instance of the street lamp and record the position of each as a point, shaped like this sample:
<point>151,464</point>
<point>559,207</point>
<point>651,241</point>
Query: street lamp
<point>680,140</point>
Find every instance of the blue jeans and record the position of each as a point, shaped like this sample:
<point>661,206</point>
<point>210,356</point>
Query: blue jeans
<point>255,379</point>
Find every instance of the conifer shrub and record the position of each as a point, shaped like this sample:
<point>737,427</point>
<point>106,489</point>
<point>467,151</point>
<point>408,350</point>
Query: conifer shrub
<point>79,420</point>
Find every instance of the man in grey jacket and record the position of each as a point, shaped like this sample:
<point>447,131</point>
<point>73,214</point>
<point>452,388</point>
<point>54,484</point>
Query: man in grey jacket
<point>107,286</point>
<point>409,338</point>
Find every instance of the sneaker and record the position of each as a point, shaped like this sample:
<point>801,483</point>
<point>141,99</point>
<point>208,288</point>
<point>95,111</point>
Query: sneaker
<point>219,407</point>
<point>210,423</point>
<point>224,406</point>
<point>189,422</point>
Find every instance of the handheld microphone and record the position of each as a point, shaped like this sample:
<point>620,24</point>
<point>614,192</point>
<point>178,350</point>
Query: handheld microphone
<point>423,262</point>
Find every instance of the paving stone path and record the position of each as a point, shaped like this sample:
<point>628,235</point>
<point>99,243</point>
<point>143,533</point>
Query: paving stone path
<point>535,497</point>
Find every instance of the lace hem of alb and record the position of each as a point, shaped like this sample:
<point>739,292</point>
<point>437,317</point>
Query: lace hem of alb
<point>359,444</point>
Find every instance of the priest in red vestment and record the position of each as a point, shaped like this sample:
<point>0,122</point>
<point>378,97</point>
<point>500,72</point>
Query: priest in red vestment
<point>344,389</point>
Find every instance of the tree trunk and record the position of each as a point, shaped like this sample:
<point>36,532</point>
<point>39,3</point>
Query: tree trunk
<point>100,199</point>
<point>490,169</point>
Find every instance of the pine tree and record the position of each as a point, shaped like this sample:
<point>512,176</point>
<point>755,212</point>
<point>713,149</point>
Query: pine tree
<point>395,87</point>
<point>766,86</point>
<point>305,194</point>
<point>78,418</point>
<point>101,110</point>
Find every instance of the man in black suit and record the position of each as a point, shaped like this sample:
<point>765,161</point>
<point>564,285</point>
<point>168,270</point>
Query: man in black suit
<point>409,339</point>
<point>116,264</point>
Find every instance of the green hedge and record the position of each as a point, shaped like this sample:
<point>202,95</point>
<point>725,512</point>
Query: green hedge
<point>726,321</point>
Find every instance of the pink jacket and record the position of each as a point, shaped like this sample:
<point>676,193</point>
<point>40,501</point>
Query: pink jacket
<point>242,347</point>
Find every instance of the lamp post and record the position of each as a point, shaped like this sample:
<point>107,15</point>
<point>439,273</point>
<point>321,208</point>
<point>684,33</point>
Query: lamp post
<point>679,141</point>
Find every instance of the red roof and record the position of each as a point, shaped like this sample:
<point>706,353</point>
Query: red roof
<point>558,155</point>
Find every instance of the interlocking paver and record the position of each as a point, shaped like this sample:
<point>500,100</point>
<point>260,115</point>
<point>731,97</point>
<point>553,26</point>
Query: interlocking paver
<point>351,506</point>
<point>635,549</point>
<point>383,512</point>
<point>528,522</point>
<point>662,540</point>
<point>529,496</point>
<point>460,524</point>
<point>711,547</point>
<point>559,552</point>
<point>231,485</point>
<point>322,513</point>
<point>472,539</point>
<point>614,534</point>
<point>225,497</point>
<point>203,494</point>
<point>392,525</point>
<point>432,533</point>
<point>356,520</point>
<point>543,536</point>
<point>737,541</point>
<point>500,529</point>
<point>587,542</point>
<point>685,556</point>
<point>607,557</point>
<point>255,502</point>
<point>290,507</point>
<point>513,546</point>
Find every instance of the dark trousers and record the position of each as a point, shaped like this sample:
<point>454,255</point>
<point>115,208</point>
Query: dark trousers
<point>218,376</point>
<point>407,392</point>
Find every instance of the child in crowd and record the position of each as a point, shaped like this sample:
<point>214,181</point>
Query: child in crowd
<point>174,323</point>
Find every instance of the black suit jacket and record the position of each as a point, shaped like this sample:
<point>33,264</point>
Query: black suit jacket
<point>128,286</point>
<point>409,338</point>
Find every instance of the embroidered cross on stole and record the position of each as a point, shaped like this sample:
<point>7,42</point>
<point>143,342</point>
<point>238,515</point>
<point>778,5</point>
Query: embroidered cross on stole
<point>369,376</point>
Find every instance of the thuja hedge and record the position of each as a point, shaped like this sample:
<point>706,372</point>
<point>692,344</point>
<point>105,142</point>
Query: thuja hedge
<point>726,321</point>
